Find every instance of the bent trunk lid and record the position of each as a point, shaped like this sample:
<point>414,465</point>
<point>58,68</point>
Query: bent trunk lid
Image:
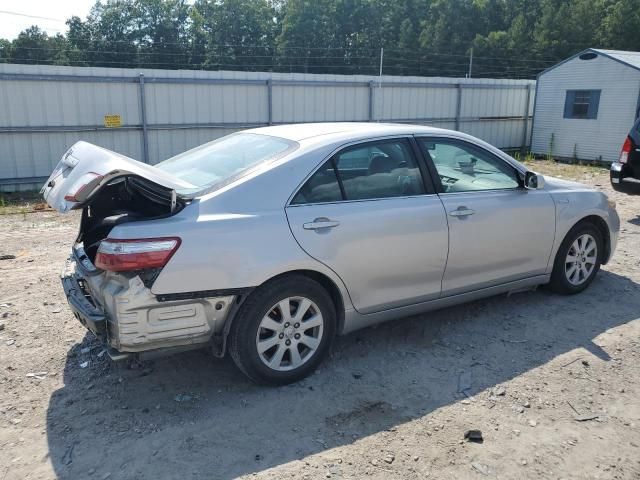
<point>85,168</point>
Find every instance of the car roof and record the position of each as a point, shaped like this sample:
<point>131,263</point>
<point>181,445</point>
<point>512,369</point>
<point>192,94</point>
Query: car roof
<point>303,131</point>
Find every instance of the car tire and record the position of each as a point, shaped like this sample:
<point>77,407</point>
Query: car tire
<point>576,265</point>
<point>275,348</point>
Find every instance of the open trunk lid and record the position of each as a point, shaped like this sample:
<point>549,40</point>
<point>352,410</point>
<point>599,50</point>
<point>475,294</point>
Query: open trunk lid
<point>85,169</point>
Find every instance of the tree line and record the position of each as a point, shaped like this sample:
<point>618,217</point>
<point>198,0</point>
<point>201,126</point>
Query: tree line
<point>508,38</point>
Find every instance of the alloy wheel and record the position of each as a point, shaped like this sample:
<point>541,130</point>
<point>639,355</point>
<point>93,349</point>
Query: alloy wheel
<point>581,259</point>
<point>289,334</point>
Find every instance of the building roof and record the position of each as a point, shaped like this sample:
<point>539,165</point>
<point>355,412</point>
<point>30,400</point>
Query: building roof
<point>631,59</point>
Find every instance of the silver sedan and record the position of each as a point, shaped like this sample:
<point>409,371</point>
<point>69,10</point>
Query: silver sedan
<point>269,242</point>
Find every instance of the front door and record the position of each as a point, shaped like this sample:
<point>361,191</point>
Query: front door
<point>498,230</point>
<point>368,214</point>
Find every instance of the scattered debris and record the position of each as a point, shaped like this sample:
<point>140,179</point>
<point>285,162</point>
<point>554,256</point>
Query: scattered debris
<point>84,364</point>
<point>357,375</point>
<point>185,397</point>
<point>464,381</point>
<point>37,375</point>
<point>585,418</point>
<point>10,342</point>
<point>7,257</point>
<point>572,361</point>
<point>389,458</point>
<point>532,423</point>
<point>585,363</point>
<point>573,408</point>
<point>67,458</point>
<point>480,468</point>
<point>500,391</point>
<point>474,436</point>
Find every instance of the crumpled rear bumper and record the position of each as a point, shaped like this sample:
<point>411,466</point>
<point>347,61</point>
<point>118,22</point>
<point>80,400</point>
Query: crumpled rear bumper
<point>82,306</point>
<point>128,318</point>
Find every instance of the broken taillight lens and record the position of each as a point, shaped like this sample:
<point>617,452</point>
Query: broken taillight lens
<point>118,255</point>
<point>626,150</point>
<point>83,187</point>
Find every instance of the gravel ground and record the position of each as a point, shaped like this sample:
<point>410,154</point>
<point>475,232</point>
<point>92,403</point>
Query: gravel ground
<point>552,382</point>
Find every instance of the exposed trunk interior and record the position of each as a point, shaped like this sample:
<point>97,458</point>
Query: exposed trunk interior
<point>124,199</point>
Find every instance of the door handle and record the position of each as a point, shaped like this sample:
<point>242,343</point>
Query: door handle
<point>462,212</point>
<point>320,223</point>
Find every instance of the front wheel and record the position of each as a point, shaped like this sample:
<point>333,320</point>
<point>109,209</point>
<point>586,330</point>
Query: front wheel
<point>283,330</point>
<point>578,259</point>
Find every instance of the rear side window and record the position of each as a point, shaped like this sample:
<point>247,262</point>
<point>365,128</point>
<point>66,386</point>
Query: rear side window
<point>381,169</point>
<point>322,187</point>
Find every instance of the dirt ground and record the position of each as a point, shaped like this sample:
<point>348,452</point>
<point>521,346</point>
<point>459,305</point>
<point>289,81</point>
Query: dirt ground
<point>552,382</point>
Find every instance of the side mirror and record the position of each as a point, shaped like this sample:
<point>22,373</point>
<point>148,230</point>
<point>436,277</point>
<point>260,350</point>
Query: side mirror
<point>533,181</point>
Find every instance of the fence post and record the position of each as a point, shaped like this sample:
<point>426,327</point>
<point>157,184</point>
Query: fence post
<point>523,147</point>
<point>458,105</point>
<point>371,100</point>
<point>270,100</point>
<point>143,119</point>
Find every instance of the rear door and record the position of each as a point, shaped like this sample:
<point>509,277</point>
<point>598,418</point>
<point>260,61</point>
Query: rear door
<point>369,215</point>
<point>498,230</point>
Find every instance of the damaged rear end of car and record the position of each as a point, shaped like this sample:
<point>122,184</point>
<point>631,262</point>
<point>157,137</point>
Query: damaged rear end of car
<point>108,280</point>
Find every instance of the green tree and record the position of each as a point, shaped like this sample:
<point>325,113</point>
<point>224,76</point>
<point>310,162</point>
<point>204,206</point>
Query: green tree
<point>5,50</point>
<point>620,27</point>
<point>239,33</point>
<point>33,46</point>
<point>161,32</point>
<point>309,36</point>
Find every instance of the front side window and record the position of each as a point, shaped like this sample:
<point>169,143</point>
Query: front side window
<point>375,170</point>
<point>463,167</point>
<point>582,104</point>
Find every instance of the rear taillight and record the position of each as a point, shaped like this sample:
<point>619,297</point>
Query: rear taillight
<point>124,255</point>
<point>626,150</point>
<point>83,187</point>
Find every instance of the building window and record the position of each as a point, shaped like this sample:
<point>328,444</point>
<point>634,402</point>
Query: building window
<point>582,104</point>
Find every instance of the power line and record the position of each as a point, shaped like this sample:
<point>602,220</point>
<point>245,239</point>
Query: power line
<point>411,58</point>
<point>17,14</point>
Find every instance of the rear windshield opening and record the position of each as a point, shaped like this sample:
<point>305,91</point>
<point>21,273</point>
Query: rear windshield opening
<point>222,161</point>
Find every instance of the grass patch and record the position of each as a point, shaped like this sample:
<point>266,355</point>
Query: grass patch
<point>577,170</point>
<point>21,202</point>
<point>565,170</point>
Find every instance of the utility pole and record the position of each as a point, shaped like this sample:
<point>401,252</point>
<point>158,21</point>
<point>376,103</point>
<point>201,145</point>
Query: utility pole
<point>380,74</point>
<point>470,63</point>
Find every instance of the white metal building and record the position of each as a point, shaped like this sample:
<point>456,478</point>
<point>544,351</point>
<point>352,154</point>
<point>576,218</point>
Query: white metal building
<point>151,115</point>
<point>586,105</point>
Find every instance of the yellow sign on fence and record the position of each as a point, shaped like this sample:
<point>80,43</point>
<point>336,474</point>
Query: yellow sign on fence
<point>113,121</point>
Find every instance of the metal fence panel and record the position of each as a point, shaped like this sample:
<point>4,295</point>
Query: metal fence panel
<point>45,109</point>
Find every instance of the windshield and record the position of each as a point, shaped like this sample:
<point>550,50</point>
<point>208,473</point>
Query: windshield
<point>224,160</point>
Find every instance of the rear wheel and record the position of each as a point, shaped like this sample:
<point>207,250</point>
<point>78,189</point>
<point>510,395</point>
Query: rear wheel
<point>578,259</point>
<point>283,330</point>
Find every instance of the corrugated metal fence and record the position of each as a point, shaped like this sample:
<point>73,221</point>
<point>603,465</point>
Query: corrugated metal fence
<point>159,113</point>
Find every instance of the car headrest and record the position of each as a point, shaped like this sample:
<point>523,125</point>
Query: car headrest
<point>380,164</point>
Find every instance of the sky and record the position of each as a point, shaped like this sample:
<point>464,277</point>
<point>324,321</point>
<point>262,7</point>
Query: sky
<point>17,15</point>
